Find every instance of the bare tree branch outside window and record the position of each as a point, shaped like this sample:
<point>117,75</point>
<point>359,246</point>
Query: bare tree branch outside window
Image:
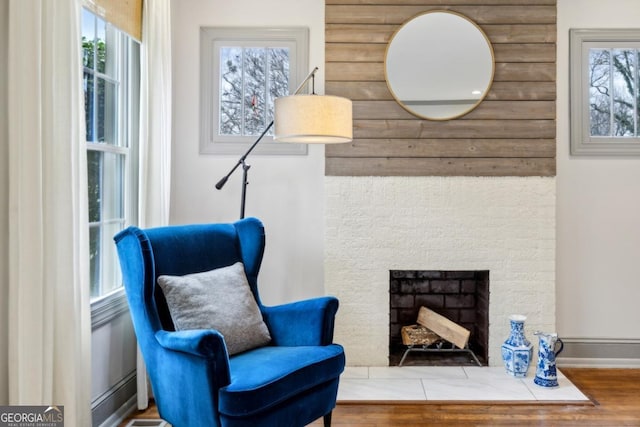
<point>250,80</point>
<point>613,92</point>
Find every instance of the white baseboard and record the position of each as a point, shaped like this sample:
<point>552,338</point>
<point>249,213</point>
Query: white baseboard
<point>147,423</point>
<point>122,413</point>
<point>583,362</point>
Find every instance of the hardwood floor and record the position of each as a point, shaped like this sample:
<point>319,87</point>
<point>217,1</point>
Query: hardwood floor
<point>614,394</point>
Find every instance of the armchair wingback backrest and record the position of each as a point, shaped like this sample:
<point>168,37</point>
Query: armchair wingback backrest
<point>178,250</point>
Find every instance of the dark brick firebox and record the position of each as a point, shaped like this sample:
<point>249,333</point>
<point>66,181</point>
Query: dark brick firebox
<point>461,296</point>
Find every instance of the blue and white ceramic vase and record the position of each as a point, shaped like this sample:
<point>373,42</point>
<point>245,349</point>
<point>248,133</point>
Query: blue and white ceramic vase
<point>549,347</point>
<point>517,351</point>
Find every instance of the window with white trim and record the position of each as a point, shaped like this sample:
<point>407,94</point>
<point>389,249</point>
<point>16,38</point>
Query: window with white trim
<point>242,71</point>
<point>111,62</point>
<point>605,91</point>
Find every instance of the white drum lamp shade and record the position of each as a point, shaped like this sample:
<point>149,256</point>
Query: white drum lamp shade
<point>313,119</point>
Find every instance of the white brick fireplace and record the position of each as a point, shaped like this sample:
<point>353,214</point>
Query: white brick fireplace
<point>375,224</point>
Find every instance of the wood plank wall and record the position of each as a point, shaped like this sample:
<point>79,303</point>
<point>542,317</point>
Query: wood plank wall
<point>511,133</point>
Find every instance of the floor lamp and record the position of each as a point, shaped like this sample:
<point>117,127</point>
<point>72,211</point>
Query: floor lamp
<point>304,119</point>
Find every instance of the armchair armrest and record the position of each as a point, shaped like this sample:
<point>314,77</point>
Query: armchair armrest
<point>308,322</point>
<point>205,343</point>
<point>185,364</point>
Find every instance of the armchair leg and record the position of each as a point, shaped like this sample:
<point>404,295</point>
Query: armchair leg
<point>327,420</point>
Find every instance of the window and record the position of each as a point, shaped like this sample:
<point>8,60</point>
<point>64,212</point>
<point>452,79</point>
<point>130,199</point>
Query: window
<point>605,95</point>
<point>111,93</point>
<point>242,71</point>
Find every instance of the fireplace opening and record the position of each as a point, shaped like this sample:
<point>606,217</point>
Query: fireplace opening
<point>460,296</point>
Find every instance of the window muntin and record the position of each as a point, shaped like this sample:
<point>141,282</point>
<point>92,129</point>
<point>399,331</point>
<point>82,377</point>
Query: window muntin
<point>111,82</point>
<point>243,70</point>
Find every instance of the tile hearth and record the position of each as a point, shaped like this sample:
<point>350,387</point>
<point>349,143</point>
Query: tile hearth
<point>437,383</point>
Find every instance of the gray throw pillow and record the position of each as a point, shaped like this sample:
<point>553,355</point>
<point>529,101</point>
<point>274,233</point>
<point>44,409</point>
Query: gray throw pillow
<point>218,299</point>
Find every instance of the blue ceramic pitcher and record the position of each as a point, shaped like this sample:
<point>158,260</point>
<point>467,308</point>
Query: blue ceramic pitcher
<point>548,348</point>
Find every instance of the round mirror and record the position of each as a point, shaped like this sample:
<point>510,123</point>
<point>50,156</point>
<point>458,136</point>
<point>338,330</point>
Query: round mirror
<point>439,65</point>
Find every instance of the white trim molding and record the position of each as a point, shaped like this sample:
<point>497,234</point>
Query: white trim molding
<point>600,352</point>
<point>211,40</point>
<point>582,41</point>
<point>108,308</point>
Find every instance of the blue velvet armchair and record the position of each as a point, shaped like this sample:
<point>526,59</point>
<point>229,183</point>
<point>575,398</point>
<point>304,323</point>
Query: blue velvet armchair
<point>292,381</point>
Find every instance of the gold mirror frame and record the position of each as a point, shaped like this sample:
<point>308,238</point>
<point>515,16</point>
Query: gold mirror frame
<point>425,78</point>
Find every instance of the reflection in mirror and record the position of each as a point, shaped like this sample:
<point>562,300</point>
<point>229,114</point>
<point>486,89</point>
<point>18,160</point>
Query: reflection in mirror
<point>439,65</point>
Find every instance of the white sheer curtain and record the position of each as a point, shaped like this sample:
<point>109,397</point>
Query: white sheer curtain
<point>155,131</point>
<point>155,114</point>
<point>4,204</point>
<point>49,315</point>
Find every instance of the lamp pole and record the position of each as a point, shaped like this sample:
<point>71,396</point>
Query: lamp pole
<point>241,161</point>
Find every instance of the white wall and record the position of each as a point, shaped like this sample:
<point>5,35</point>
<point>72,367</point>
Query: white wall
<point>285,192</point>
<point>113,356</point>
<point>598,200</point>
<point>598,208</point>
